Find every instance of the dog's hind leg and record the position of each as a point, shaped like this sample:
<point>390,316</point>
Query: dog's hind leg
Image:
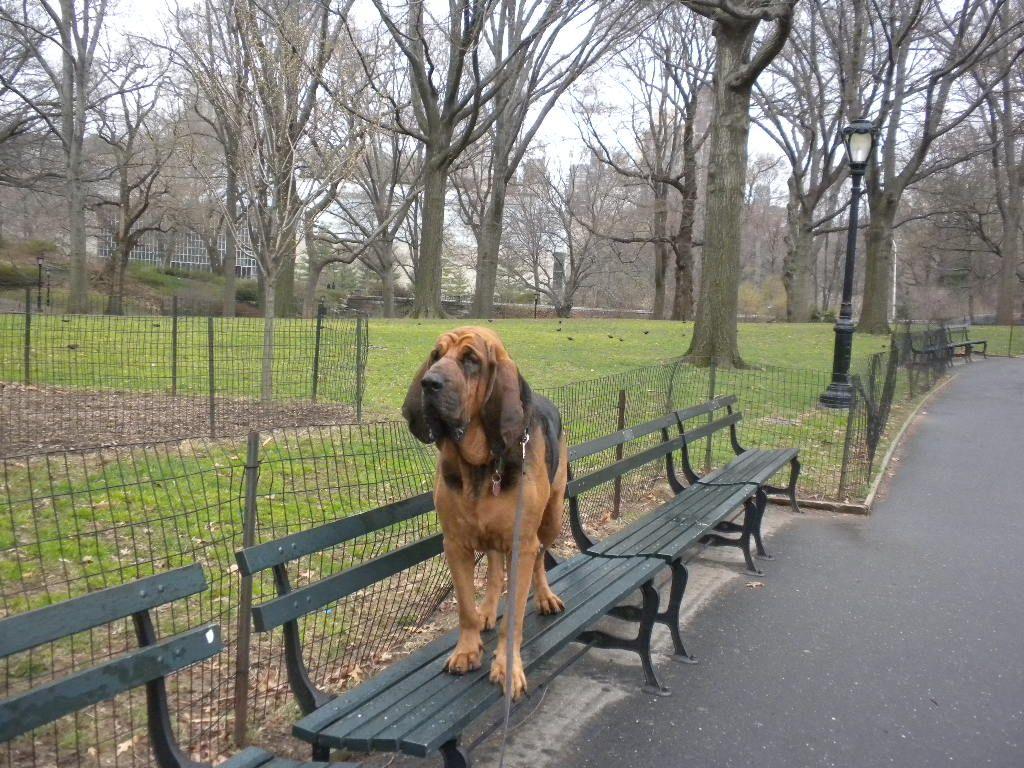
<point>495,586</point>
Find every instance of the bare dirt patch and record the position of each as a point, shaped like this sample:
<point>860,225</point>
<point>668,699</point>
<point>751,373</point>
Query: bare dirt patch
<point>34,419</point>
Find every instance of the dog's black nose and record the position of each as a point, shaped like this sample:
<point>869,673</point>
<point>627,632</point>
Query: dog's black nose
<point>432,382</point>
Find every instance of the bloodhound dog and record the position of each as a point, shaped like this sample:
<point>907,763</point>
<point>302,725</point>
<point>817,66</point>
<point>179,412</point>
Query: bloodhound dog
<point>469,399</point>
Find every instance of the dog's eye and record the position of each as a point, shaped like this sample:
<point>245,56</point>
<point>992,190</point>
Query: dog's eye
<point>435,355</point>
<point>471,362</point>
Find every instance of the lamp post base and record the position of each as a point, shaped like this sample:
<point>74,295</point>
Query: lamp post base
<point>836,396</point>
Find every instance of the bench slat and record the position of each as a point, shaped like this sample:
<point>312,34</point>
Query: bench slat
<point>307,542</point>
<point>604,474</point>
<point>78,614</point>
<point>603,443</point>
<point>694,502</point>
<point>369,696</point>
<point>446,723</point>
<point>304,600</point>
<point>47,703</point>
<point>419,703</point>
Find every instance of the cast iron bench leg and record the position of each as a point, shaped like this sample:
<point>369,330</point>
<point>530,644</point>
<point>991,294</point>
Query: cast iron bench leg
<point>742,542</point>
<point>454,756</point>
<point>321,754</point>
<point>670,616</point>
<point>641,644</point>
<point>760,502</point>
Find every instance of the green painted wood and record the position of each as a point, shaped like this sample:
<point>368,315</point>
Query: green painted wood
<point>43,625</point>
<point>561,579</point>
<point>46,703</point>
<point>262,556</point>
<point>305,600</point>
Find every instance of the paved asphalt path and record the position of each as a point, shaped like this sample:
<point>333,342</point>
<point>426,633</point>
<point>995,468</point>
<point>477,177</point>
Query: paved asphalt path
<point>893,640</point>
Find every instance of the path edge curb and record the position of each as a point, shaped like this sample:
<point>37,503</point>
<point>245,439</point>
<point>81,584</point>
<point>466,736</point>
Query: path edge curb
<point>887,459</point>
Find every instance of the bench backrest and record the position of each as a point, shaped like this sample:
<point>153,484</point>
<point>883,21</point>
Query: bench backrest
<point>147,665</point>
<point>674,421</point>
<point>291,604</point>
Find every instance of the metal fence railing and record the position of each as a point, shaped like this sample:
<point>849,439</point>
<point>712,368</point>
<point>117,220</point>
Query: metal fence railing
<point>76,521</point>
<point>86,380</point>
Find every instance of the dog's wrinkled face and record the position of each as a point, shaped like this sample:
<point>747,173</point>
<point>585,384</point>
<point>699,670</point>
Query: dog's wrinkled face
<point>468,375</point>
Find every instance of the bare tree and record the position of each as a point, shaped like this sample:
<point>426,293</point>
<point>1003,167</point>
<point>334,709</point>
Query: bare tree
<point>548,250</point>
<point>71,29</point>
<point>210,54</point>
<point>658,146</point>
<point>451,84</point>
<point>800,105</point>
<point>739,60</point>
<point>539,74</point>
<point>135,152</point>
<point>927,48</point>
<point>1003,115</point>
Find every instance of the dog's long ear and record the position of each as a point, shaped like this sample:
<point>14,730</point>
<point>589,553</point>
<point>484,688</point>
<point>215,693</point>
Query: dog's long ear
<point>412,408</point>
<point>504,411</point>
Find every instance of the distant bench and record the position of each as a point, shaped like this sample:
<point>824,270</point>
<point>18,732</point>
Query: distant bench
<point>941,343</point>
<point>414,706</point>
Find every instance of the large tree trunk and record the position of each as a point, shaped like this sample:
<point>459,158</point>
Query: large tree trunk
<point>799,262</point>
<point>316,267</point>
<point>874,314</point>
<point>427,301</point>
<point>714,332</point>
<point>284,291</point>
<point>230,241</point>
<point>1009,250</point>
<point>682,300</point>
<point>113,275</point>
<point>73,104</point>
<point>487,249</point>
<point>661,251</point>
<point>387,292</point>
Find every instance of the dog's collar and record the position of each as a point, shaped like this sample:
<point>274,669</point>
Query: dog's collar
<point>499,464</point>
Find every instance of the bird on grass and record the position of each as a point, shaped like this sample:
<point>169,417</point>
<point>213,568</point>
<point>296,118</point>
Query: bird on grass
<point>570,338</point>
<point>646,332</point>
<point>72,346</point>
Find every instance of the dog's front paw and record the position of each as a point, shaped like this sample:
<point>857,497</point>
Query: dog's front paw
<point>550,603</point>
<point>466,657</point>
<point>518,676</point>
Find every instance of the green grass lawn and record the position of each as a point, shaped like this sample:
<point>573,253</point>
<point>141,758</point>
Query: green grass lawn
<point>134,353</point>
<point>582,350</point>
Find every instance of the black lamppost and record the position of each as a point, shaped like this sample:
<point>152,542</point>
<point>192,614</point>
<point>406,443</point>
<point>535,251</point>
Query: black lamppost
<point>47,286</point>
<point>858,137</point>
<point>39,283</point>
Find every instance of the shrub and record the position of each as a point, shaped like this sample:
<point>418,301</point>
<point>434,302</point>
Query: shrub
<point>12,276</point>
<point>247,291</point>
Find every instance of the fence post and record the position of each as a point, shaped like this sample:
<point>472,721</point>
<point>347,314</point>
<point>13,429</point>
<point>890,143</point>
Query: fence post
<point>209,348</point>
<point>28,336</point>
<point>621,422</point>
<point>244,634</point>
<point>174,345</point>
<point>712,371</point>
<point>320,309</point>
<point>844,468</point>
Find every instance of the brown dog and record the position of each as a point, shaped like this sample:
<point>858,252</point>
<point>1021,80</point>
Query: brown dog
<point>470,400</point>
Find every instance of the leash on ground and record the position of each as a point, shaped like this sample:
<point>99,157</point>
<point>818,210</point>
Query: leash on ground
<point>510,604</point>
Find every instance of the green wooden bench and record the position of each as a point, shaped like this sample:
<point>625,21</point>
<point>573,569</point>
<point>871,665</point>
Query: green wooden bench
<point>149,665</point>
<point>417,708</point>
